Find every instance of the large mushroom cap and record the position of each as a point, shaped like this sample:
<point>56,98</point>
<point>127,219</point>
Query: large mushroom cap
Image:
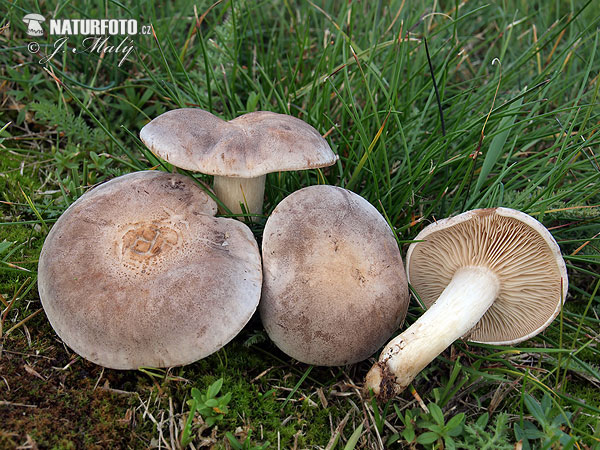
<point>334,284</point>
<point>137,272</point>
<point>248,146</point>
<point>518,249</point>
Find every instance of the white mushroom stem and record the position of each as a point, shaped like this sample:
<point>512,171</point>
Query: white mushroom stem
<point>465,300</point>
<point>248,191</point>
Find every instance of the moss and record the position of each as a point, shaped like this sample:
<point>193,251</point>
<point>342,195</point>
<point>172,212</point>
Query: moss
<point>590,395</point>
<point>256,404</point>
<point>66,411</point>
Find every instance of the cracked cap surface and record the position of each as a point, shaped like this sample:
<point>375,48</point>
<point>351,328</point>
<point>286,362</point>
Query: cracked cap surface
<point>137,272</point>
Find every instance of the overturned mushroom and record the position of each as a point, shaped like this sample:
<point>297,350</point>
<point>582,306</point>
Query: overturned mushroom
<point>239,153</point>
<point>490,275</point>
<point>334,284</point>
<point>137,272</point>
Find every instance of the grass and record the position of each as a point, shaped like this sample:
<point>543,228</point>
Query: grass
<point>518,94</point>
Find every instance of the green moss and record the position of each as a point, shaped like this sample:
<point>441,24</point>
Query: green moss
<point>590,395</point>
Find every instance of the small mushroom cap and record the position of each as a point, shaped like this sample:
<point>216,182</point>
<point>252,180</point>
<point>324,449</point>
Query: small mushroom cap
<point>137,272</point>
<point>246,147</point>
<point>33,16</point>
<point>334,287</point>
<point>517,248</point>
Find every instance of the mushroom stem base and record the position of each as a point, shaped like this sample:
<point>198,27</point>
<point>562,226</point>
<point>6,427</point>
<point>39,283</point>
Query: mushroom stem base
<point>465,300</point>
<point>235,191</point>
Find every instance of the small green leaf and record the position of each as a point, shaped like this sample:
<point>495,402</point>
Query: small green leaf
<point>437,429</point>
<point>546,403</point>
<point>482,421</point>
<point>436,413</point>
<point>211,402</point>
<point>225,399</point>
<point>449,442</point>
<point>409,434</point>
<point>535,409</point>
<point>528,431</point>
<point>214,388</point>
<point>455,425</point>
<point>196,394</point>
<point>427,438</point>
<point>252,102</point>
<point>351,444</point>
<point>204,410</point>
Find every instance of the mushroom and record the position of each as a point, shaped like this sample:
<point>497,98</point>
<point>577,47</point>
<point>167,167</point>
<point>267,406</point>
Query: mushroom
<point>239,153</point>
<point>33,24</point>
<point>138,272</point>
<point>489,275</point>
<point>334,286</point>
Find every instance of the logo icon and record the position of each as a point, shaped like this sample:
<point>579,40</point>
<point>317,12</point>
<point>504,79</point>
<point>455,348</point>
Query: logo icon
<point>33,22</point>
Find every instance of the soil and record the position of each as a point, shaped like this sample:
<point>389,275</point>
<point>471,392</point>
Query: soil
<point>48,400</point>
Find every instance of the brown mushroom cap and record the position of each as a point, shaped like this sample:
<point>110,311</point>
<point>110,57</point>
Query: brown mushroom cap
<point>137,272</point>
<point>334,284</point>
<point>519,250</point>
<point>248,146</point>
